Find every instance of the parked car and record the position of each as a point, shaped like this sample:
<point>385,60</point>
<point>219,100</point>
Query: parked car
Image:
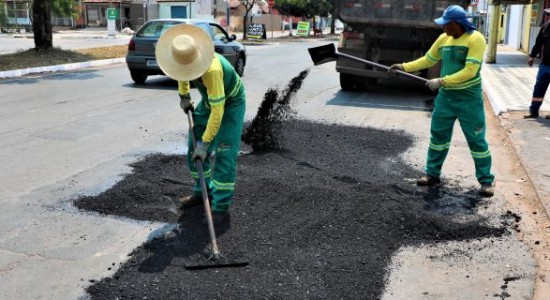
<point>141,58</point>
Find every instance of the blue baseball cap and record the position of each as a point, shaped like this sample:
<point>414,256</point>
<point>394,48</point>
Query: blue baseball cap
<point>457,14</point>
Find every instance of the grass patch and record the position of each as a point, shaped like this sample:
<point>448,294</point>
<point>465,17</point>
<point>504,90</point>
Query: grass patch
<point>39,58</point>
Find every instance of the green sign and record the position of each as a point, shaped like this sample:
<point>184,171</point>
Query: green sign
<point>302,29</point>
<point>112,13</point>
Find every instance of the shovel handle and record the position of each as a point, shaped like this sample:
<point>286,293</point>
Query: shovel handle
<point>412,76</point>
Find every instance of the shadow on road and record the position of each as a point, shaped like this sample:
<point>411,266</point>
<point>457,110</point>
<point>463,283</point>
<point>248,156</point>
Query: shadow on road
<point>68,75</point>
<point>388,95</point>
<point>154,83</point>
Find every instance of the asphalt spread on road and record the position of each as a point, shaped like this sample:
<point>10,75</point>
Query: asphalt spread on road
<point>318,219</point>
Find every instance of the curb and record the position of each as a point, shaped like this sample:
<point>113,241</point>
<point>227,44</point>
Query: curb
<point>497,108</point>
<point>65,67</point>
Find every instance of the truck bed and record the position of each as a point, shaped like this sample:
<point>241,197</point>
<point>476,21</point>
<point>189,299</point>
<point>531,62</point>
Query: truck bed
<point>417,13</point>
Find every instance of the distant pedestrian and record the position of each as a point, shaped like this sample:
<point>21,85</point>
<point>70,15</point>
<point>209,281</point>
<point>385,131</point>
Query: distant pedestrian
<point>186,53</point>
<point>460,49</point>
<point>540,49</point>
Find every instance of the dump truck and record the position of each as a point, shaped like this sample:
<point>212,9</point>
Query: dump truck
<point>386,32</point>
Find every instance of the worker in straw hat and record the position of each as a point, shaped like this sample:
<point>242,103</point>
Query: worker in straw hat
<point>186,53</point>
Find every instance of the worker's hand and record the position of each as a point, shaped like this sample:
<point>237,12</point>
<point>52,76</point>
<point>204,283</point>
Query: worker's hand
<point>200,151</point>
<point>530,61</point>
<point>434,83</point>
<point>186,104</point>
<point>393,68</point>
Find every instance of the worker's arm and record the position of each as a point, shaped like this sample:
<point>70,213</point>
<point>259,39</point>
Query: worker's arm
<point>213,81</point>
<point>185,98</point>
<point>539,41</point>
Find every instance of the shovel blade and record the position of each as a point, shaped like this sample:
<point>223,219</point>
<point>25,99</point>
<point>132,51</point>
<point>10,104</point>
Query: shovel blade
<point>323,54</point>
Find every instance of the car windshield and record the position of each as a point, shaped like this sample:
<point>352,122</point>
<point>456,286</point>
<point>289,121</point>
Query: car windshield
<point>155,29</point>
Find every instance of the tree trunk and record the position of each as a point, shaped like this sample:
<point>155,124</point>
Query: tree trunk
<point>333,21</point>
<point>42,24</point>
<point>245,26</point>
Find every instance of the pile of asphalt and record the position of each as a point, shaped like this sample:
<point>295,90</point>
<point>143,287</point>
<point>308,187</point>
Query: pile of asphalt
<point>318,219</point>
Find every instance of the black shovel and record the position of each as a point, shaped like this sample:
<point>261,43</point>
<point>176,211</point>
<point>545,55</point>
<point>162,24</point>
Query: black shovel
<point>216,259</point>
<point>328,53</point>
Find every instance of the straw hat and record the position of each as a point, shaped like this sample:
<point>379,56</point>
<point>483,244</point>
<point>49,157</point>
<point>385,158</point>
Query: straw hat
<point>184,52</point>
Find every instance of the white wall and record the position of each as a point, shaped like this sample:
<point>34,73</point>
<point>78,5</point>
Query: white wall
<point>515,24</point>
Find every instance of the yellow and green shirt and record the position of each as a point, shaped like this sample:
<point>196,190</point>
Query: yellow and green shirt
<point>461,60</point>
<point>217,86</point>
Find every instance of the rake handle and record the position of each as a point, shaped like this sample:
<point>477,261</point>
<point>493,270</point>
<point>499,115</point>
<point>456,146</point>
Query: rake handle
<point>204,191</point>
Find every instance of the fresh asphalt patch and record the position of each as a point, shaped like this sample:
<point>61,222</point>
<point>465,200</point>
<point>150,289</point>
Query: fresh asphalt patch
<point>318,219</point>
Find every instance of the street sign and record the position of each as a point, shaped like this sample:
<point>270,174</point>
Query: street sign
<point>112,14</point>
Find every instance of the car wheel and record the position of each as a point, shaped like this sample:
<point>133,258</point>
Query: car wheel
<point>137,77</point>
<point>347,82</point>
<point>239,66</point>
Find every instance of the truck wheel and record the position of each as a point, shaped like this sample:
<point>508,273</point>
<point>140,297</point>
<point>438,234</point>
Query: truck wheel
<point>137,77</point>
<point>347,82</point>
<point>361,83</point>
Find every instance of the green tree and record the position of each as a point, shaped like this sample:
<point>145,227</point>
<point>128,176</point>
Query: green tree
<point>306,8</point>
<point>3,16</point>
<point>42,19</point>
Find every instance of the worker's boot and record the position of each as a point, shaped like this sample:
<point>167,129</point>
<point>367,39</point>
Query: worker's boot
<point>428,180</point>
<point>193,200</point>
<point>486,190</point>
<point>533,110</point>
<point>531,116</point>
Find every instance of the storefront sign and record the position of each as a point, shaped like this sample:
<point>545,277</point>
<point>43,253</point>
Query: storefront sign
<point>256,31</point>
<point>302,29</point>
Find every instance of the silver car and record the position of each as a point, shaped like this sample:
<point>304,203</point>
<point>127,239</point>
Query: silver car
<point>141,59</point>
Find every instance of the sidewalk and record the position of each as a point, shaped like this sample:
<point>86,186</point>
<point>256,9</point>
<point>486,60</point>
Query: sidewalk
<point>508,84</point>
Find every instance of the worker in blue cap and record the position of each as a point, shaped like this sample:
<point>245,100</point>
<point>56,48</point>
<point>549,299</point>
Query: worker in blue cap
<point>460,49</point>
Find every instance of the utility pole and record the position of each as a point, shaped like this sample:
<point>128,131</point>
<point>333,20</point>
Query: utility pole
<point>228,15</point>
<point>494,12</point>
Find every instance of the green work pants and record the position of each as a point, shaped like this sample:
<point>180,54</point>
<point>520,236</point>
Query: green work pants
<point>471,116</point>
<point>220,178</point>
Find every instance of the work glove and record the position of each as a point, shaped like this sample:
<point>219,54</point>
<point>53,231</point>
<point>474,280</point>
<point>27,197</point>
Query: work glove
<point>200,151</point>
<point>530,61</point>
<point>395,67</point>
<point>186,104</point>
<point>434,83</point>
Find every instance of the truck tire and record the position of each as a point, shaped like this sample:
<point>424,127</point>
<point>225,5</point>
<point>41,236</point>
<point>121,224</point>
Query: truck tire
<point>361,83</point>
<point>347,82</point>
